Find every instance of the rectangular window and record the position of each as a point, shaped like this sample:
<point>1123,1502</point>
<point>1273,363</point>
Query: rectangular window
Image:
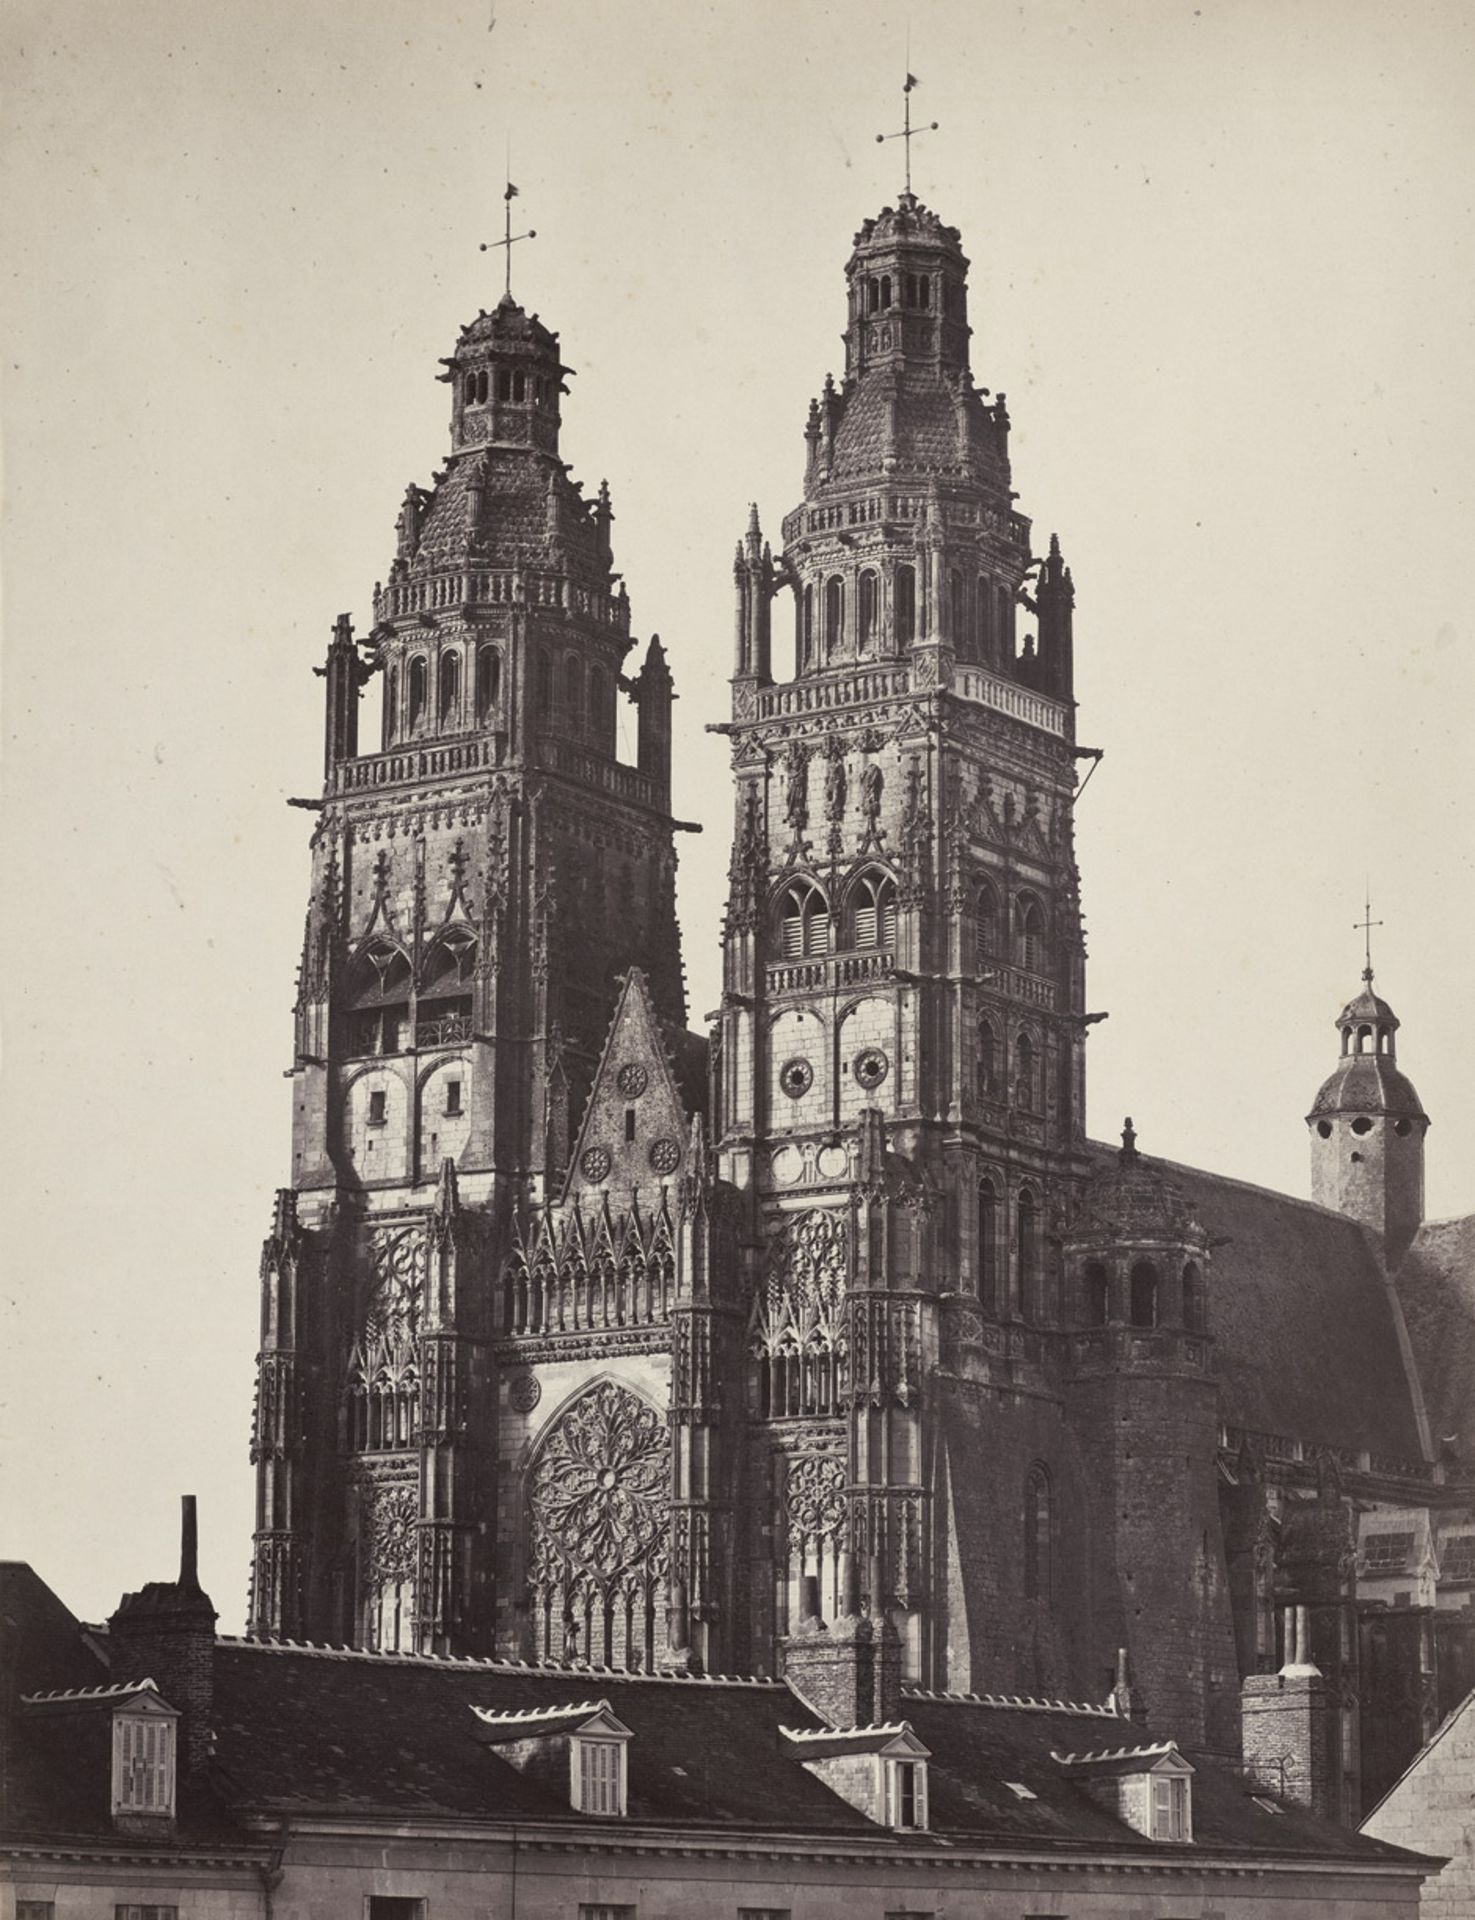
<point>906,1794</point>
<point>395,1906</point>
<point>765,1913</point>
<point>606,1912</point>
<point>453,1099</point>
<point>122,1912</point>
<point>377,1100</point>
<point>1170,1808</point>
<point>35,1910</point>
<point>143,1764</point>
<point>601,1777</point>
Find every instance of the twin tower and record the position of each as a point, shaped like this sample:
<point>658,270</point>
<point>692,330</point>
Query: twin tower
<point>586,1338</point>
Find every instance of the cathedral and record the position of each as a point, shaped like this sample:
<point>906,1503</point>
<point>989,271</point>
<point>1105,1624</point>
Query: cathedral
<point>589,1339</point>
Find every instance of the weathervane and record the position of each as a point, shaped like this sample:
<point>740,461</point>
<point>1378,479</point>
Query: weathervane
<point>1367,923</point>
<point>908,131</point>
<point>509,239</point>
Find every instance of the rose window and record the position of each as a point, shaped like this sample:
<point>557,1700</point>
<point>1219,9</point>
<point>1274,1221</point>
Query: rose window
<point>601,1485</point>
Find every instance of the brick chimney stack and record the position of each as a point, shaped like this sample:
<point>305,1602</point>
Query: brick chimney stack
<point>848,1673</point>
<point>1287,1722</point>
<point>166,1633</point>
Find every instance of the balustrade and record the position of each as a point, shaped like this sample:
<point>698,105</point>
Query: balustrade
<point>576,1298</point>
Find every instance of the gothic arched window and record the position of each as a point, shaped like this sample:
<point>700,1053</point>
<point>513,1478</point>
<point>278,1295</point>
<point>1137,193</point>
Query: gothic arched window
<point>1039,1570</point>
<point>1096,1283</point>
<point>983,620</point>
<point>988,1059</point>
<point>904,592</point>
<point>1026,1251</point>
<point>545,687</point>
<point>1024,1071</point>
<point>873,295</point>
<point>573,694</point>
<point>1144,1301</point>
<point>806,628</point>
<point>873,911</point>
<point>1195,1316</point>
<point>885,290</point>
<point>988,1244</point>
<point>450,685</point>
<point>419,688</point>
<point>834,614</point>
<point>957,610</point>
<point>986,917</point>
<point>504,385</point>
<point>866,611</point>
<point>488,682</point>
<point>391,703</point>
<point>601,709</point>
<point>804,921</point>
<point>1029,933</point>
<point>378,999</point>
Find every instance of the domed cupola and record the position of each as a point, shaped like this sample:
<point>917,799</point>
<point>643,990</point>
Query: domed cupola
<point>1367,1127</point>
<point>505,378</point>
<point>908,281</point>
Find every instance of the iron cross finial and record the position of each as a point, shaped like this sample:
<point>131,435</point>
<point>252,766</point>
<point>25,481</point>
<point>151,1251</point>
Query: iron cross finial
<point>908,132</point>
<point>1367,923</point>
<point>509,239</point>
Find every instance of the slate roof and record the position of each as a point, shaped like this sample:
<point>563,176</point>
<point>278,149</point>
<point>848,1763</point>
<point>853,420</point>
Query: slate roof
<point>1367,1083</point>
<point>300,1729</point>
<point>1436,1285</point>
<point>1306,1331</point>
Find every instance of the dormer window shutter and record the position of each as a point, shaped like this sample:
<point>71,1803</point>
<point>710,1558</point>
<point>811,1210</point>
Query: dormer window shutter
<point>143,1763</point>
<point>599,1784</point>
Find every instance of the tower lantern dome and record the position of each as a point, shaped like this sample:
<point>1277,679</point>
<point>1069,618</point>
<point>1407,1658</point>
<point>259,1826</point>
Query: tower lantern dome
<point>908,280</point>
<point>505,378</point>
<point>1367,1127</point>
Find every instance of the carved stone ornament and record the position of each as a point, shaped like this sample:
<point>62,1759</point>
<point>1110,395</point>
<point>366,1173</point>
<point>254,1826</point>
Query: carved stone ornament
<point>600,1487</point>
<point>397,1259</point>
<point>594,1163</point>
<point>816,1495</point>
<point>665,1156</point>
<point>632,1080</point>
<point>796,1077</point>
<point>870,1067</point>
<point>525,1392</point>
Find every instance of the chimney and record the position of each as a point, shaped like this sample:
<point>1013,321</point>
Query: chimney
<point>166,1633</point>
<point>1287,1726</point>
<point>848,1673</point>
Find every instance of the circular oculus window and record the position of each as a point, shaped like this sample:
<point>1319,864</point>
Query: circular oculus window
<point>632,1080</point>
<point>796,1077</point>
<point>870,1067</point>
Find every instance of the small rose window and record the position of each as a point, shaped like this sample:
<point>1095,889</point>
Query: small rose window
<point>870,1067</point>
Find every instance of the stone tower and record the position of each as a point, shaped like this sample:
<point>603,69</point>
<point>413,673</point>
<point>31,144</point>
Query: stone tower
<point>1367,1128</point>
<point>900,1086</point>
<point>480,882</point>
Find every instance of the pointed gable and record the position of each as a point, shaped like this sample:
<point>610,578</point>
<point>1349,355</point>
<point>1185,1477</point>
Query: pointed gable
<point>634,1133</point>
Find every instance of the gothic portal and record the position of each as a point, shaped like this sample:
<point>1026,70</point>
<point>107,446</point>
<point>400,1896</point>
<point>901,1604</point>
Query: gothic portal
<point>586,1339</point>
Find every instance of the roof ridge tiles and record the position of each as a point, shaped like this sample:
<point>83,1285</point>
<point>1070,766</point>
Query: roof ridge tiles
<point>486,1663</point>
<point>841,1733</point>
<point>1022,1703</point>
<point>1115,1753</point>
<point>120,1689</point>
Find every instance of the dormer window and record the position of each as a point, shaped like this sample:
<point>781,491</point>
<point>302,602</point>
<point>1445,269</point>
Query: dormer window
<point>892,1790</point>
<point>144,1760</point>
<point>576,1750</point>
<point>1149,1789</point>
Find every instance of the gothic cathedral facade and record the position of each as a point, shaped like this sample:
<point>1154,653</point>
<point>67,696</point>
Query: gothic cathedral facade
<point>585,1338</point>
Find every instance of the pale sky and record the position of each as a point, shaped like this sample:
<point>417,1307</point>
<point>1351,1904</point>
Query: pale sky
<point>1224,268</point>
